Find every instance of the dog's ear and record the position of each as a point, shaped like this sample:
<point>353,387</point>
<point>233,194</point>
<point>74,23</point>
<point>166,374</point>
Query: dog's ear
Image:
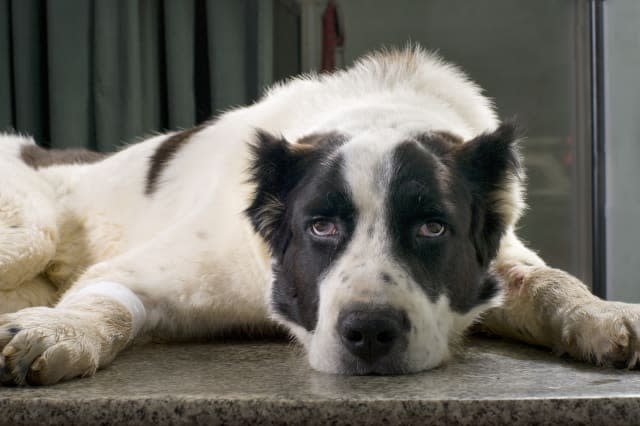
<point>491,165</point>
<point>275,169</point>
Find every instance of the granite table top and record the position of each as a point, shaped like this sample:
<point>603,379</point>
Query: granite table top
<point>269,382</point>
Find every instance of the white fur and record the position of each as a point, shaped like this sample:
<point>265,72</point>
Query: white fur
<point>185,261</point>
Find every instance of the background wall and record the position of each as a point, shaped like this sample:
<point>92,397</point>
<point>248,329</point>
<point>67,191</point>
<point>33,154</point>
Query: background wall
<point>622,88</point>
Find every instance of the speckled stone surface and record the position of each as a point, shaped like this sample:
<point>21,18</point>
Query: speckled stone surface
<point>491,382</point>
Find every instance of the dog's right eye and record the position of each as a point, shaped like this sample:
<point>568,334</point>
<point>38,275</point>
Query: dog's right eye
<point>431,230</point>
<point>324,228</point>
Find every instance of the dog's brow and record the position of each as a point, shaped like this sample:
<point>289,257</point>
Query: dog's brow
<point>330,202</point>
<point>425,200</point>
<point>416,189</point>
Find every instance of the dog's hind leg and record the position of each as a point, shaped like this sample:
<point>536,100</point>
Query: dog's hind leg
<point>37,291</point>
<point>28,230</point>
<point>26,245</point>
<point>549,307</point>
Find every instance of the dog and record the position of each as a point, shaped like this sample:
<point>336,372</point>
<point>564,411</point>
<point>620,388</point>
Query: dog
<point>371,213</point>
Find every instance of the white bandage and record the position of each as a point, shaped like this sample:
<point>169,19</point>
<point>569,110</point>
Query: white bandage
<point>116,292</point>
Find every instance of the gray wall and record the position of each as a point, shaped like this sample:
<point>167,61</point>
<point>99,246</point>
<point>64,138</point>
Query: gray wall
<point>622,86</point>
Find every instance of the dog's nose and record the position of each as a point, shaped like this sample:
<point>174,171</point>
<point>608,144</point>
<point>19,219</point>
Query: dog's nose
<point>369,333</point>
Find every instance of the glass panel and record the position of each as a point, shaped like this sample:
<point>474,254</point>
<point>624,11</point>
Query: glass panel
<point>622,144</point>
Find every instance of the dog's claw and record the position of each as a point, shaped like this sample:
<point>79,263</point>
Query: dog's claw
<point>9,350</point>
<point>37,365</point>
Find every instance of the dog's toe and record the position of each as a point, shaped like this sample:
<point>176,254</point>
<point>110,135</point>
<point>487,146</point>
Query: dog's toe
<point>21,351</point>
<point>633,358</point>
<point>62,361</point>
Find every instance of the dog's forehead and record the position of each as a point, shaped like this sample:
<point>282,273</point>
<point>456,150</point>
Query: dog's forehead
<point>379,162</point>
<point>367,168</point>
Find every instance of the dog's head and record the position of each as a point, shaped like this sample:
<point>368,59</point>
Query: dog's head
<point>381,242</point>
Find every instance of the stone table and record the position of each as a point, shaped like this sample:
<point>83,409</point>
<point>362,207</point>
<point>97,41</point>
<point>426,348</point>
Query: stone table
<point>234,382</point>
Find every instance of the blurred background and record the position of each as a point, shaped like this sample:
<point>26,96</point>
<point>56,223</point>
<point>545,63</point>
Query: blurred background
<point>99,74</point>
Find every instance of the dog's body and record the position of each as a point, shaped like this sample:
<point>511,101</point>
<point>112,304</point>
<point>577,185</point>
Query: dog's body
<point>376,237</point>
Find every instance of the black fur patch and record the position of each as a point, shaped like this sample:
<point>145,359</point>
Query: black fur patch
<point>164,154</point>
<point>488,162</point>
<point>277,166</point>
<point>295,184</point>
<point>439,180</point>
<point>489,288</point>
<point>37,157</point>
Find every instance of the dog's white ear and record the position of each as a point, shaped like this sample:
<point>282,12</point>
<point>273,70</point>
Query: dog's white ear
<point>492,167</point>
<point>276,168</point>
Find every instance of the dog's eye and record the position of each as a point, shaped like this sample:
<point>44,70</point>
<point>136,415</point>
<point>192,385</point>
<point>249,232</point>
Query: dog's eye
<point>431,230</point>
<point>324,228</point>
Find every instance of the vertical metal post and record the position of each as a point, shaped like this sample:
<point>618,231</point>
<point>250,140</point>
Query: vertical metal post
<point>598,149</point>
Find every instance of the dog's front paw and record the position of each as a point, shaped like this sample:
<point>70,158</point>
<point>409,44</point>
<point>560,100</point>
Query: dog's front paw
<point>605,333</point>
<point>45,345</point>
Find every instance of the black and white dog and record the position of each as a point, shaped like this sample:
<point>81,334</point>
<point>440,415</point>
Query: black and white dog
<point>371,212</point>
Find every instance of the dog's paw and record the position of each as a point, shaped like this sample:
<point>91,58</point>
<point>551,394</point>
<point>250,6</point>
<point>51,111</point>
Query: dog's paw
<point>604,333</point>
<point>44,345</point>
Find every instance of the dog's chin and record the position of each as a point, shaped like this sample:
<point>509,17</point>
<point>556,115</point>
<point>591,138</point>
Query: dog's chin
<point>387,366</point>
<point>343,363</point>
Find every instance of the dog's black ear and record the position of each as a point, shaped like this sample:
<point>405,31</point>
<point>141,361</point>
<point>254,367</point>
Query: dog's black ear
<point>275,169</point>
<point>491,165</point>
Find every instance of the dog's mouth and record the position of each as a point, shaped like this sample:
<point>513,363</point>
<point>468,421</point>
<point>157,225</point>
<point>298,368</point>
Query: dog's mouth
<point>390,365</point>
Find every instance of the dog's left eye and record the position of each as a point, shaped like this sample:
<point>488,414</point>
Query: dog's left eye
<point>431,229</point>
<point>324,228</point>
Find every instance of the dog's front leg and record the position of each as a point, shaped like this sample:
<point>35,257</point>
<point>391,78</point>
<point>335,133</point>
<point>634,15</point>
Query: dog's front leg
<point>549,307</point>
<point>82,333</point>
